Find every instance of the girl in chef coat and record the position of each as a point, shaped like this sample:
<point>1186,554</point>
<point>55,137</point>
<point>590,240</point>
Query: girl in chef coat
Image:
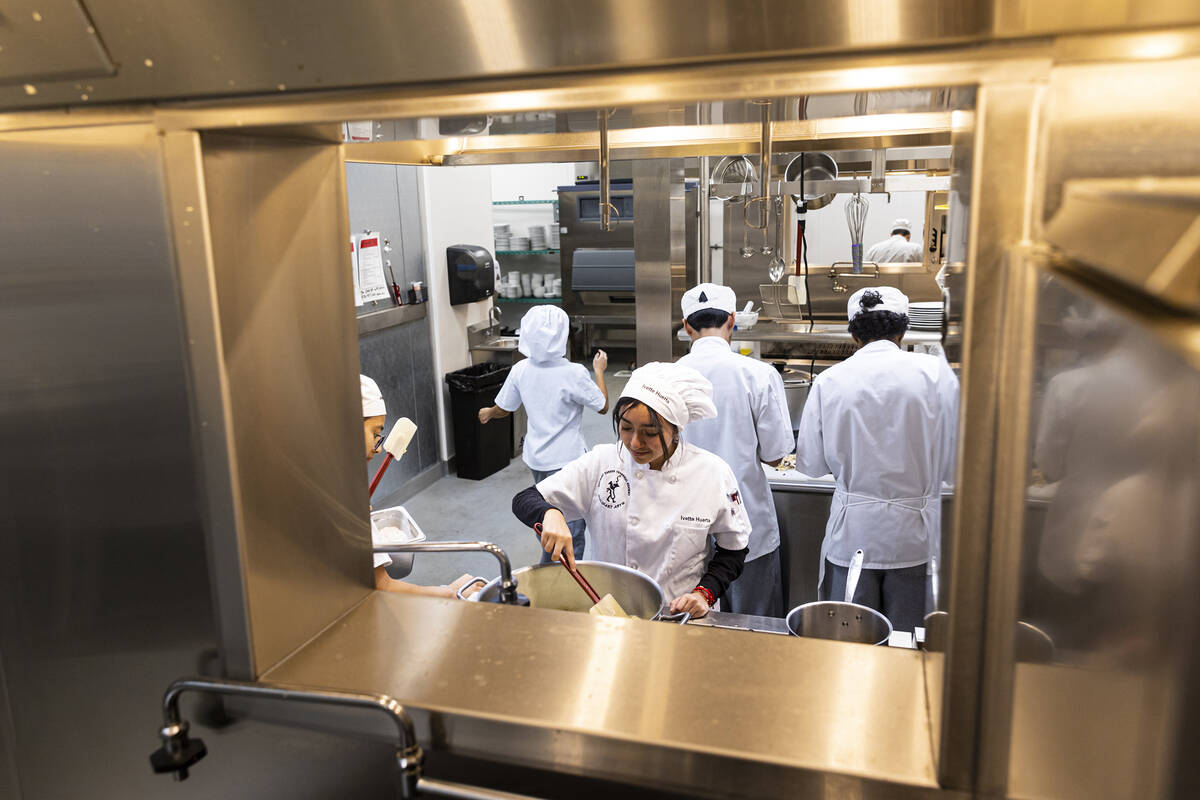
<point>651,501</point>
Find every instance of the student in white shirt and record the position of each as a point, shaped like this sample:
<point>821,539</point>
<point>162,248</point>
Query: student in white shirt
<point>554,392</point>
<point>652,502</point>
<point>897,248</point>
<point>753,427</point>
<point>883,422</point>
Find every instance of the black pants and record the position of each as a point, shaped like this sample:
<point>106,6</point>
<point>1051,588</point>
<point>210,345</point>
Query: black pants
<point>898,594</point>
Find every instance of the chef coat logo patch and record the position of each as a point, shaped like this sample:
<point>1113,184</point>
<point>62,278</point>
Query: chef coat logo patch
<point>613,489</point>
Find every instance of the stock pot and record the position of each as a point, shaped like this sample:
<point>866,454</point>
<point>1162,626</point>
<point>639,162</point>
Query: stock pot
<point>551,586</point>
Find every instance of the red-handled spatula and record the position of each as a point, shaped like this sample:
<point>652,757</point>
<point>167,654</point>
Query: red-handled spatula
<point>582,581</point>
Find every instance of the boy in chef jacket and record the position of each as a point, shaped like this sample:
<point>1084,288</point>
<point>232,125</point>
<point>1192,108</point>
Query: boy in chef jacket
<point>374,418</point>
<point>651,501</point>
<point>753,427</point>
<point>554,392</point>
<point>883,422</point>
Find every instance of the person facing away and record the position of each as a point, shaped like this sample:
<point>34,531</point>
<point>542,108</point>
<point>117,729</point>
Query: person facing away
<point>883,423</point>
<point>374,419</point>
<point>652,502</point>
<point>554,392</point>
<point>753,427</point>
<point>897,248</point>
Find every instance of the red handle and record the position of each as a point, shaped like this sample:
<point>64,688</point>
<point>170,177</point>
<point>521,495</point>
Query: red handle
<point>378,475</point>
<point>582,581</point>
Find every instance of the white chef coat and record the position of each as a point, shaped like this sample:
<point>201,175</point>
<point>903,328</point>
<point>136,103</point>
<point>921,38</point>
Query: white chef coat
<point>895,249</point>
<point>554,394</point>
<point>883,422</point>
<point>659,522</point>
<point>753,426</point>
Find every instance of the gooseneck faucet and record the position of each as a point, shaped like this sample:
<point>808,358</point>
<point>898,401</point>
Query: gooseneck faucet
<point>179,752</point>
<point>508,586</point>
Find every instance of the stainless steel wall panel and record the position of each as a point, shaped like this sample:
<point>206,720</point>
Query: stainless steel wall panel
<point>105,593</point>
<point>1121,120</point>
<point>219,48</point>
<point>1001,153</point>
<point>657,241</point>
<point>1111,574</point>
<point>290,359</point>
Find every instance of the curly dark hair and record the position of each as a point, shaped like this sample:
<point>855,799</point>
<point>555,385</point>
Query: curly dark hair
<point>871,326</point>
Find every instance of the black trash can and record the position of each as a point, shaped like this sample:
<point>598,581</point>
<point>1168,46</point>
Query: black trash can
<point>480,450</point>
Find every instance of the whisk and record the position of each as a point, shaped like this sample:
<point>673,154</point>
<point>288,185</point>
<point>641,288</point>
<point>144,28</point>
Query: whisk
<point>856,219</point>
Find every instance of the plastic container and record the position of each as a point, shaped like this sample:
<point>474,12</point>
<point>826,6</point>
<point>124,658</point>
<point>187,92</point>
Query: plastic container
<point>480,450</point>
<point>396,526</point>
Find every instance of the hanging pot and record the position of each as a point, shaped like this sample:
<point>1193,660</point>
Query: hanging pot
<point>817,167</point>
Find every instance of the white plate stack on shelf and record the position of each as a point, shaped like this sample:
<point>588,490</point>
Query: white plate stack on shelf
<point>925,316</point>
<point>538,289</point>
<point>557,287</point>
<point>553,241</point>
<point>519,243</point>
<point>537,237</point>
<point>502,233</point>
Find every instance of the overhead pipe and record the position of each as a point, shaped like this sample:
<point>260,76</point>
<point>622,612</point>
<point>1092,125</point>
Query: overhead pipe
<point>764,168</point>
<point>607,209</point>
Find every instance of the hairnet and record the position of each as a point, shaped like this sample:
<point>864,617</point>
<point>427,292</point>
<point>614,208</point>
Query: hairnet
<point>372,398</point>
<point>679,394</point>
<point>902,225</point>
<point>890,299</point>
<point>544,332</point>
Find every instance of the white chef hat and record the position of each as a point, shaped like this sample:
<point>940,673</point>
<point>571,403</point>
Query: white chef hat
<point>544,333</point>
<point>902,225</point>
<point>372,398</point>
<point>679,394</point>
<point>708,295</point>
<point>878,298</point>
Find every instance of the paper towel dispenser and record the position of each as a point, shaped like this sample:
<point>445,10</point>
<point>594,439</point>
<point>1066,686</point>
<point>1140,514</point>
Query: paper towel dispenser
<point>601,269</point>
<point>472,273</point>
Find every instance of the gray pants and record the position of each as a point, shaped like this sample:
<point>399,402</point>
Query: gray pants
<point>898,594</point>
<point>758,590</point>
<point>576,526</point>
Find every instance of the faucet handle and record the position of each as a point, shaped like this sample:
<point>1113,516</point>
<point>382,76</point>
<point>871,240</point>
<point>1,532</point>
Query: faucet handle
<point>178,753</point>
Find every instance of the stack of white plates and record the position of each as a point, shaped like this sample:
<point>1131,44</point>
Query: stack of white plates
<point>503,235</point>
<point>537,237</point>
<point>553,240</point>
<point>925,316</point>
<point>519,243</point>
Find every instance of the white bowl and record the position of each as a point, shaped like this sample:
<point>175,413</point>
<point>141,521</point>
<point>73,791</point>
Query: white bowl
<point>744,320</point>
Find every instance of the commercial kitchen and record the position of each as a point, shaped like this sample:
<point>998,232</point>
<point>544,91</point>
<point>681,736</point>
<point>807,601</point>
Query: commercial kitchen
<point>214,218</point>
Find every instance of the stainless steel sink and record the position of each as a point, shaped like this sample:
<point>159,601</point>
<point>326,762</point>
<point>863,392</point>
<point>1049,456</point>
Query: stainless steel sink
<point>497,343</point>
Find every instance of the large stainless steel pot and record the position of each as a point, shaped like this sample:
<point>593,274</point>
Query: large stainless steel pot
<point>842,621</point>
<point>551,586</point>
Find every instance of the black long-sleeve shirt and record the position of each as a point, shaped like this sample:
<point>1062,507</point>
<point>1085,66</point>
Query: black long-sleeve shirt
<point>723,568</point>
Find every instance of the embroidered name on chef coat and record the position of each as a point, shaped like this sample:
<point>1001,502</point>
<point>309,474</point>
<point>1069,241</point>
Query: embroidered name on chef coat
<point>694,520</point>
<point>613,489</point>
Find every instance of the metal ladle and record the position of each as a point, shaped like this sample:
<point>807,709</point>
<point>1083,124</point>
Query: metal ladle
<point>777,266</point>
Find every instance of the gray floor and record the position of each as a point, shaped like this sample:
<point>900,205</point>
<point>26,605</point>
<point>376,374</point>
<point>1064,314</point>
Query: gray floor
<point>456,509</point>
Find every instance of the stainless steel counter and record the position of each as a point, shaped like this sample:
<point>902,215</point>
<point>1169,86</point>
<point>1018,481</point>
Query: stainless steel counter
<point>694,708</point>
<point>825,333</point>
